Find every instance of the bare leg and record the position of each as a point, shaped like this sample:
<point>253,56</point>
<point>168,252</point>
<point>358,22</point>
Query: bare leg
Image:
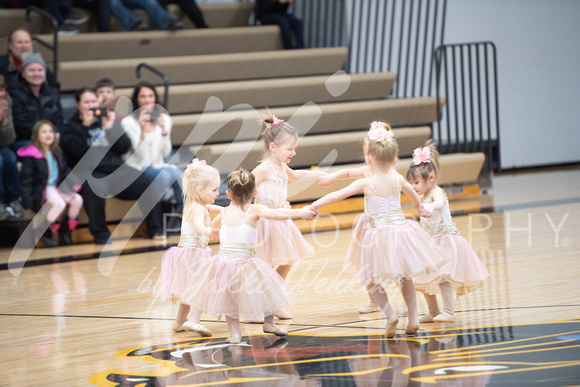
<point>235,331</point>
<point>410,296</point>
<point>271,327</point>
<point>380,296</point>
<point>283,270</point>
<point>448,314</point>
<point>433,308</point>
<point>182,313</point>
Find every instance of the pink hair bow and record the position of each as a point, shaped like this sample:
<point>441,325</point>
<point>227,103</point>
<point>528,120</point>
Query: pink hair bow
<point>194,164</point>
<point>378,131</point>
<point>422,155</point>
<point>275,121</point>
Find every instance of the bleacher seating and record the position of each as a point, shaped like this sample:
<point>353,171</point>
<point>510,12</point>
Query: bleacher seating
<point>247,69</point>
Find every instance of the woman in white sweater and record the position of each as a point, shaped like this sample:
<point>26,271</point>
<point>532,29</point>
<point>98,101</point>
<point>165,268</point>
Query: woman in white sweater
<point>149,128</point>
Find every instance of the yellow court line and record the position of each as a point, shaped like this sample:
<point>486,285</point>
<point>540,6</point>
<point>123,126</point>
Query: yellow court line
<point>433,379</point>
<point>475,353</point>
<point>509,353</point>
<point>504,342</point>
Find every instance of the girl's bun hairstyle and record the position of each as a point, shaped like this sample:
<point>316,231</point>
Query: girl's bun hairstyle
<point>241,184</point>
<point>382,146</point>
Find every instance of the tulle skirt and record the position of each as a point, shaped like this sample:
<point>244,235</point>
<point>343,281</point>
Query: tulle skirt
<point>464,271</point>
<point>390,253</point>
<point>248,288</point>
<point>280,242</point>
<point>178,267</point>
<point>353,254</point>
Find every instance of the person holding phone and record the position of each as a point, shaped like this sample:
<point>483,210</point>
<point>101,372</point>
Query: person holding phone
<point>97,146</point>
<point>149,129</point>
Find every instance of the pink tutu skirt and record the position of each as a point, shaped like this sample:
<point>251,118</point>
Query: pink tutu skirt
<point>280,242</point>
<point>390,253</point>
<point>178,267</point>
<point>464,271</point>
<point>247,288</point>
<point>353,254</point>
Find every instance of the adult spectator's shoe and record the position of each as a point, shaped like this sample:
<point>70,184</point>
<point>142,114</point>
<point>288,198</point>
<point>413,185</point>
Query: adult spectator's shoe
<point>67,30</point>
<point>140,25</point>
<point>15,209</point>
<point>48,241</point>
<point>75,17</point>
<point>102,241</point>
<point>3,213</point>
<point>174,24</point>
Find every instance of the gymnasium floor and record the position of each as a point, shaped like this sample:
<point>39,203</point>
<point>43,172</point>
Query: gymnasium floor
<point>67,322</point>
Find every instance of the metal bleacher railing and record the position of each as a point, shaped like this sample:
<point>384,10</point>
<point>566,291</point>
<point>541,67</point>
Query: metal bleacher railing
<point>406,37</point>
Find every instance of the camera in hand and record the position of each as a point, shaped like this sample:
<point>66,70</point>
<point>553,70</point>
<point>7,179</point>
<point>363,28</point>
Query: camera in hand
<point>100,111</point>
<point>155,113</point>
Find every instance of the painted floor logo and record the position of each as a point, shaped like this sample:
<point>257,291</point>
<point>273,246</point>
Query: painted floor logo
<point>500,355</point>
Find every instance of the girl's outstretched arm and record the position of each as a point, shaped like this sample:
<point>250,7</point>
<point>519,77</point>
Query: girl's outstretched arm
<point>352,173</point>
<point>197,216</point>
<point>336,196</point>
<point>439,198</point>
<point>214,209</point>
<point>410,192</point>
<point>303,174</point>
<point>284,213</point>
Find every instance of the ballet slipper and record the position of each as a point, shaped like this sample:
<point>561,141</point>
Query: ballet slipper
<point>370,308</point>
<point>283,315</point>
<point>196,327</point>
<point>412,328</point>
<point>260,321</point>
<point>234,339</point>
<point>426,319</point>
<point>444,317</point>
<point>178,327</point>
<point>274,329</point>
<point>391,328</point>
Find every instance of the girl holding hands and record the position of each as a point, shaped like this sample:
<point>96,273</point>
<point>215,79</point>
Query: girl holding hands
<point>279,242</point>
<point>392,248</point>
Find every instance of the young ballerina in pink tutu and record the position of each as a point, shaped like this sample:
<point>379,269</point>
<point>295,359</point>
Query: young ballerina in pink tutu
<point>392,248</point>
<point>200,189</point>
<point>279,242</point>
<point>463,273</point>
<point>235,283</point>
<point>352,256</point>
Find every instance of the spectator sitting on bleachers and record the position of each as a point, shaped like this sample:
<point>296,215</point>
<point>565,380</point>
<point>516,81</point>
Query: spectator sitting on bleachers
<point>190,8</point>
<point>19,45</point>
<point>33,99</point>
<point>149,128</point>
<point>160,17</point>
<point>9,184</point>
<point>104,142</point>
<point>101,9</point>
<point>65,15</point>
<point>276,12</point>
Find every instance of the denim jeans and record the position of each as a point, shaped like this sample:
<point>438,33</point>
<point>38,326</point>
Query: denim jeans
<point>287,23</point>
<point>122,10</point>
<point>167,177</point>
<point>9,180</point>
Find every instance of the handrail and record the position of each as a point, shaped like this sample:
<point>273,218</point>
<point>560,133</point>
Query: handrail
<point>472,102</point>
<point>158,73</point>
<point>54,46</point>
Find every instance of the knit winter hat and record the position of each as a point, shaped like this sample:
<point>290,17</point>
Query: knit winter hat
<point>33,57</point>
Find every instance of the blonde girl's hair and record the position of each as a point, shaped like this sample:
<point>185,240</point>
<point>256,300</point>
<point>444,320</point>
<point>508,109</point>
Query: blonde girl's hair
<point>241,184</point>
<point>196,178</point>
<point>422,167</point>
<point>384,149</point>
<point>53,148</point>
<point>275,132</point>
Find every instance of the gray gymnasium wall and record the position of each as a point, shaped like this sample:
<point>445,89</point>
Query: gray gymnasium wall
<point>538,44</point>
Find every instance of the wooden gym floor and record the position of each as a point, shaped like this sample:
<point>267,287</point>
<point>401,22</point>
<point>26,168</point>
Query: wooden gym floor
<point>65,322</point>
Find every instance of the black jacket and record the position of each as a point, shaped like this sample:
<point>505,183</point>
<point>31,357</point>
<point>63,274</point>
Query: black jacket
<point>11,74</point>
<point>27,108</point>
<point>76,141</point>
<point>34,176</point>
